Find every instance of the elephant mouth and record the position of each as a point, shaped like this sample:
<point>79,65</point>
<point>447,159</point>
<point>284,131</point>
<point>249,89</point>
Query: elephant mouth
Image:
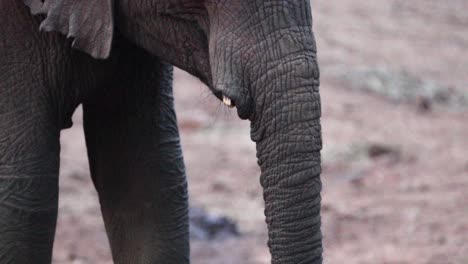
<point>228,102</point>
<point>243,104</point>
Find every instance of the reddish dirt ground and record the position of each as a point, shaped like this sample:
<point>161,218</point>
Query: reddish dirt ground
<point>395,177</point>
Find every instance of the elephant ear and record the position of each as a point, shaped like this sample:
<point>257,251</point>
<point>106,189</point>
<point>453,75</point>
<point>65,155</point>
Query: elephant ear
<point>89,22</point>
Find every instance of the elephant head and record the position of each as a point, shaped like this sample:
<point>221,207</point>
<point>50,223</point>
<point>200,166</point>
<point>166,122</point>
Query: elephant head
<point>260,56</point>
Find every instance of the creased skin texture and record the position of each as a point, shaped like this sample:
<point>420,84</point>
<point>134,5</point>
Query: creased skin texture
<point>289,158</point>
<point>29,142</point>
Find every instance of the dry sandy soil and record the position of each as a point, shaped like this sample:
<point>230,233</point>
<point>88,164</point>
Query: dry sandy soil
<point>395,171</point>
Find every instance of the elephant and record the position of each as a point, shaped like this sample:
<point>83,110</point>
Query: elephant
<point>116,58</point>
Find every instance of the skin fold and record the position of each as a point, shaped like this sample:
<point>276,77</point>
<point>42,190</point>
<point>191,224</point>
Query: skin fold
<point>117,62</point>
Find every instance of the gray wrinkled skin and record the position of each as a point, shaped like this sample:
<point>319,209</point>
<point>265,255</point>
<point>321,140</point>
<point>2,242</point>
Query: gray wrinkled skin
<point>259,53</point>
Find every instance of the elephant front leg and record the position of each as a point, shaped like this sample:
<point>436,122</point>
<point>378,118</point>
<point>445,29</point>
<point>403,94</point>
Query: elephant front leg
<point>137,165</point>
<point>29,160</point>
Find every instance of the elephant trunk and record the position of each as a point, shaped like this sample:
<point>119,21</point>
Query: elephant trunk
<point>268,65</point>
<point>286,128</point>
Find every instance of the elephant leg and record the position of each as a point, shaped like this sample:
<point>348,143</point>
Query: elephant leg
<point>136,163</point>
<point>29,163</point>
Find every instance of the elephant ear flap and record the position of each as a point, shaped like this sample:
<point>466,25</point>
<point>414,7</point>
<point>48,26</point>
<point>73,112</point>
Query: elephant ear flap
<point>89,22</point>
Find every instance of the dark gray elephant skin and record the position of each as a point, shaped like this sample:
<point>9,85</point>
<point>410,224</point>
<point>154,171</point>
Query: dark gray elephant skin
<point>256,55</point>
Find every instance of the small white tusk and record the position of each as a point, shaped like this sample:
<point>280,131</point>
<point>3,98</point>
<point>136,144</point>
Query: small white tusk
<point>227,101</point>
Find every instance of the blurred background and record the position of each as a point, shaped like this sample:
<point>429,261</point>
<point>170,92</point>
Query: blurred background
<point>394,85</point>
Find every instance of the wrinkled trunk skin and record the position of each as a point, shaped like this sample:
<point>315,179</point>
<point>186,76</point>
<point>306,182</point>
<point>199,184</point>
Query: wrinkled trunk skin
<point>267,63</point>
<point>286,127</point>
<point>288,137</point>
